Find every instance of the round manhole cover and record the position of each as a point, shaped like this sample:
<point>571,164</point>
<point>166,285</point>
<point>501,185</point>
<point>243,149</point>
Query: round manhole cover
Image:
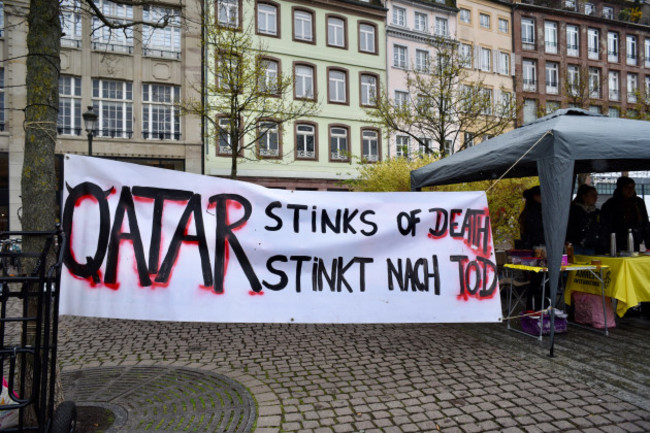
<point>164,399</point>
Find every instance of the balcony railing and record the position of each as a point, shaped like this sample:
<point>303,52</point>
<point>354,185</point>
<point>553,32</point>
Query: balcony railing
<point>161,135</point>
<point>66,130</point>
<point>268,152</point>
<point>306,154</point>
<point>614,95</point>
<point>551,47</point>
<point>339,156</point>
<point>167,54</point>
<point>114,133</point>
<point>371,157</point>
<point>115,48</point>
<point>530,85</point>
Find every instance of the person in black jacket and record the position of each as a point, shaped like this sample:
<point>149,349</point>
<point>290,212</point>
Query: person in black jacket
<point>531,228</point>
<point>626,211</point>
<point>584,230</point>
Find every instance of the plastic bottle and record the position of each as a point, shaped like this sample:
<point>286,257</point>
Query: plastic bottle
<point>569,252</point>
<point>612,245</point>
<point>630,241</point>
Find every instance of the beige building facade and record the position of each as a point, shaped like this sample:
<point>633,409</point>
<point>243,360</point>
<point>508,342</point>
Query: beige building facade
<point>484,32</point>
<point>132,78</point>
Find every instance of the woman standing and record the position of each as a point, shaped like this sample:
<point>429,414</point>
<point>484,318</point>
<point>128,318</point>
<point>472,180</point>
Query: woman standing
<point>584,230</point>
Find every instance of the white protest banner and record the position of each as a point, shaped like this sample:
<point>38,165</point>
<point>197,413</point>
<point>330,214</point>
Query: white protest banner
<point>154,244</point>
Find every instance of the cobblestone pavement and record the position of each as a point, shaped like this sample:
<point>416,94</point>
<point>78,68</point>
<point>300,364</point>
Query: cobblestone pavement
<point>393,378</point>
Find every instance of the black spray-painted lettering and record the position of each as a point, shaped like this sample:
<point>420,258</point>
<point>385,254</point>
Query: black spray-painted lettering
<point>126,207</point>
<point>480,269</point>
<point>332,277</point>
<point>414,276</point>
<point>159,196</point>
<point>321,220</point>
<point>86,190</point>
<point>225,236</point>
<point>407,221</point>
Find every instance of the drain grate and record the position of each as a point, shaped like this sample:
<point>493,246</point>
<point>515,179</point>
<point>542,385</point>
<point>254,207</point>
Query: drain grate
<point>165,399</point>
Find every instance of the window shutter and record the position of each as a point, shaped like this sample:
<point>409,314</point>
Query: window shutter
<point>512,64</point>
<point>495,63</point>
<point>477,57</point>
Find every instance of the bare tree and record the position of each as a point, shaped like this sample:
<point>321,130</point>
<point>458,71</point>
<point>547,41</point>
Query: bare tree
<point>579,88</point>
<point>247,99</point>
<point>444,100</point>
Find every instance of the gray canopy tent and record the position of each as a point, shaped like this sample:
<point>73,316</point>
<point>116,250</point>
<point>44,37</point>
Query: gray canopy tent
<point>554,148</point>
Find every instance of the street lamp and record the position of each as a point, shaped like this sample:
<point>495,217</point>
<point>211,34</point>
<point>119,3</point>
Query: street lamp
<point>90,122</point>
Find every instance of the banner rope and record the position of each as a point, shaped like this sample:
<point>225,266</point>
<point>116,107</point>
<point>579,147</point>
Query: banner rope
<point>517,161</point>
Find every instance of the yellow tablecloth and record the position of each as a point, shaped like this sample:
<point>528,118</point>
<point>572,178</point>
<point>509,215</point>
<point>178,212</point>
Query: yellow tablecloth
<point>627,280</point>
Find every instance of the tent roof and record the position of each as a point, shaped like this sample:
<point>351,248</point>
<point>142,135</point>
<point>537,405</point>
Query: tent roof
<point>596,143</point>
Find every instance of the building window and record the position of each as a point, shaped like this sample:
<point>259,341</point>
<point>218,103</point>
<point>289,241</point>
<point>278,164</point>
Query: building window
<point>504,63</point>
<point>632,87</point>
<point>69,119</point>
<point>161,42</point>
<point>402,146</point>
<point>631,48</point>
<point>613,112</point>
<point>303,29</point>
<point>594,83</point>
<point>339,146</point>
<point>304,82</point>
<point>647,53</point>
<point>486,57</point>
<point>589,9</point>
<point>400,58</point>
<point>107,39</point>
<point>336,32</point>
<point>368,90</point>
<point>421,60</point>
<point>468,139</point>
<point>530,110</point>
<point>573,80</point>
<point>552,81</point>
<point>465,16</point>
<point>608,12</point>
<point>528,33</point>
<point>228,13</point>
<point>572,41</point>
<point>595,109</point>
<point>367,41</point>
<point>442,27</point>
<point>337,81</point>
<point>550,37</point>
<point>552,106</point>
<point>466,55</point>
<point>421,22</point>
<point>305,141</point>
<point>612,47</point>
<point>399,16</point>
<point>268,143</point>
<point>487,101</point>
<point>267,19</point>
<point>484,21</point>
<point>370,145</point>
<point>425,146</point>
<point>70,23</point>
<point>270,76</point>
<point>504,25</point>
<point>401,99</point>
<point>114,103</point>
<point>224,147</point>
<point>160,112</point>
<point>613,83</point>
<point>530,75</point>
<point>593,43</point>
